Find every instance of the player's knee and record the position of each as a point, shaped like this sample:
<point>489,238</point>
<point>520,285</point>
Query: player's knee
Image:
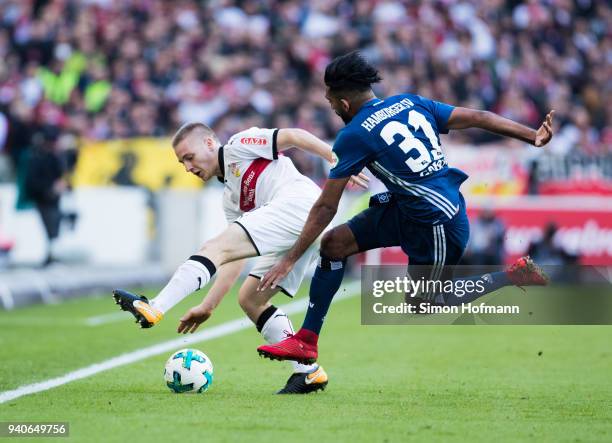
<point>207,250</point>
<point>332,245</point>
<point>215,251</point>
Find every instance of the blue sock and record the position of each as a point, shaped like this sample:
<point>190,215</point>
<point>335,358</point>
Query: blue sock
<point>484,284</point>
<point>325,283</point>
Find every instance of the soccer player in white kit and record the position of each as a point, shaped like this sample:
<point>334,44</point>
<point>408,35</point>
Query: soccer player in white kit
<point>266,202</point>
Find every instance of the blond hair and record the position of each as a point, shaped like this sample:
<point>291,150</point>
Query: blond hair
<point>188,128</point>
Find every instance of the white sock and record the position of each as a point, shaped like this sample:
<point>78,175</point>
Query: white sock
<point>276,328</point>
<point>192,275</point>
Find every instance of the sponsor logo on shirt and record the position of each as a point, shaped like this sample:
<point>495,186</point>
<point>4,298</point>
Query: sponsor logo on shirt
<point>249,183</point>
<point>258,141</point>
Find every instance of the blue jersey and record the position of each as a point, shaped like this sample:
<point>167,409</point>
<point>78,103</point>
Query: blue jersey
<point>398,140</point>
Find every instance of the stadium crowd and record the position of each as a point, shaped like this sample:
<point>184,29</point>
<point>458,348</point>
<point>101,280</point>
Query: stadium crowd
<point>104,69</point>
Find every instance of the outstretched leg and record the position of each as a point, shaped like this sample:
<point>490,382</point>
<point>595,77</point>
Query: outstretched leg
<point>232,244</point>
<point>523,272</point>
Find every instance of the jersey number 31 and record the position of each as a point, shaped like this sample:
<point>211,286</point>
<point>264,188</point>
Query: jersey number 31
<point>425,156</point>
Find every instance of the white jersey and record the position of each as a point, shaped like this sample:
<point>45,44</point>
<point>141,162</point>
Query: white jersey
<point>255,174</point>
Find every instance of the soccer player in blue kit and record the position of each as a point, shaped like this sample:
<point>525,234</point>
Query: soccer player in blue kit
<point>397,139</point>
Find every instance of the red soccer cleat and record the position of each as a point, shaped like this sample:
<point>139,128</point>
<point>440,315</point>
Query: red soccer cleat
<point>301,347</point>
<point>524,272</point>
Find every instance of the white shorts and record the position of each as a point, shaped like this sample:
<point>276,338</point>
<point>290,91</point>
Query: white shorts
<point>291,283</point>
<point>273,229</point>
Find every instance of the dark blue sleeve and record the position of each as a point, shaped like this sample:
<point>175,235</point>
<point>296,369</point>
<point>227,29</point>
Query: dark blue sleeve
<point>441,113</point>
<point>350,155</point>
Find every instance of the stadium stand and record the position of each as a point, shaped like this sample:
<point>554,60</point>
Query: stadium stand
<point>103,72</point>
<point>105,69</point>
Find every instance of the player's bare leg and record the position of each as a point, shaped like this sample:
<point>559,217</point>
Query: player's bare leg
<point>336,245</point>
<point>274,325</point>
<point>232,244</point>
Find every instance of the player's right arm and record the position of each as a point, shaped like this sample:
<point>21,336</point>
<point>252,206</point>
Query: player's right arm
<point>463,118</point>
<point>226,277</point>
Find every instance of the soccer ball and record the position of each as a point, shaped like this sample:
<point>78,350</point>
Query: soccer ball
<point>188,371</point>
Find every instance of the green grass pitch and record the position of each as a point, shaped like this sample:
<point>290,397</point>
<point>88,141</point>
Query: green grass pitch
<point>387,383</point>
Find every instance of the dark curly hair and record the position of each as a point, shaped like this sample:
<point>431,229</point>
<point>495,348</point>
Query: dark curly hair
<point>350,73</point>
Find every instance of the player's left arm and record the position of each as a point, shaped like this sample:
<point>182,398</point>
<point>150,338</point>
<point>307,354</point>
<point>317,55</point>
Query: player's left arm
<point>320,216</point>
<point>304,140</point>
<point>463,118</point>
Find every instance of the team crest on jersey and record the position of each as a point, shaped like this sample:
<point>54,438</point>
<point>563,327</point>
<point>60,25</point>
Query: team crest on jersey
<point>258,141</point>
<point>234,169</point>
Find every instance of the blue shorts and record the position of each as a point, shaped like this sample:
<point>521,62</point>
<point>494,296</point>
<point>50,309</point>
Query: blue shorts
<point>383,225</point>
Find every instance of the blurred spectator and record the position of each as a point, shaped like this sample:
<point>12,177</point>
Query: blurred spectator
<point>124,176</point>
<point>532,178</point>
<point>3,129</point>
<point>44,185</point>
<point>5,171</point>
<point>555,260</point>
<point>6,244</point>
<point>486,246</point>
<point>115,69</point>
<point>546,251</point>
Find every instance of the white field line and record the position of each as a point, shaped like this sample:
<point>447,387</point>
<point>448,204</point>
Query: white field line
<point>221,330</point>
<point>6,320</point>
<point>96,320</point>
<point>110,317</point>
